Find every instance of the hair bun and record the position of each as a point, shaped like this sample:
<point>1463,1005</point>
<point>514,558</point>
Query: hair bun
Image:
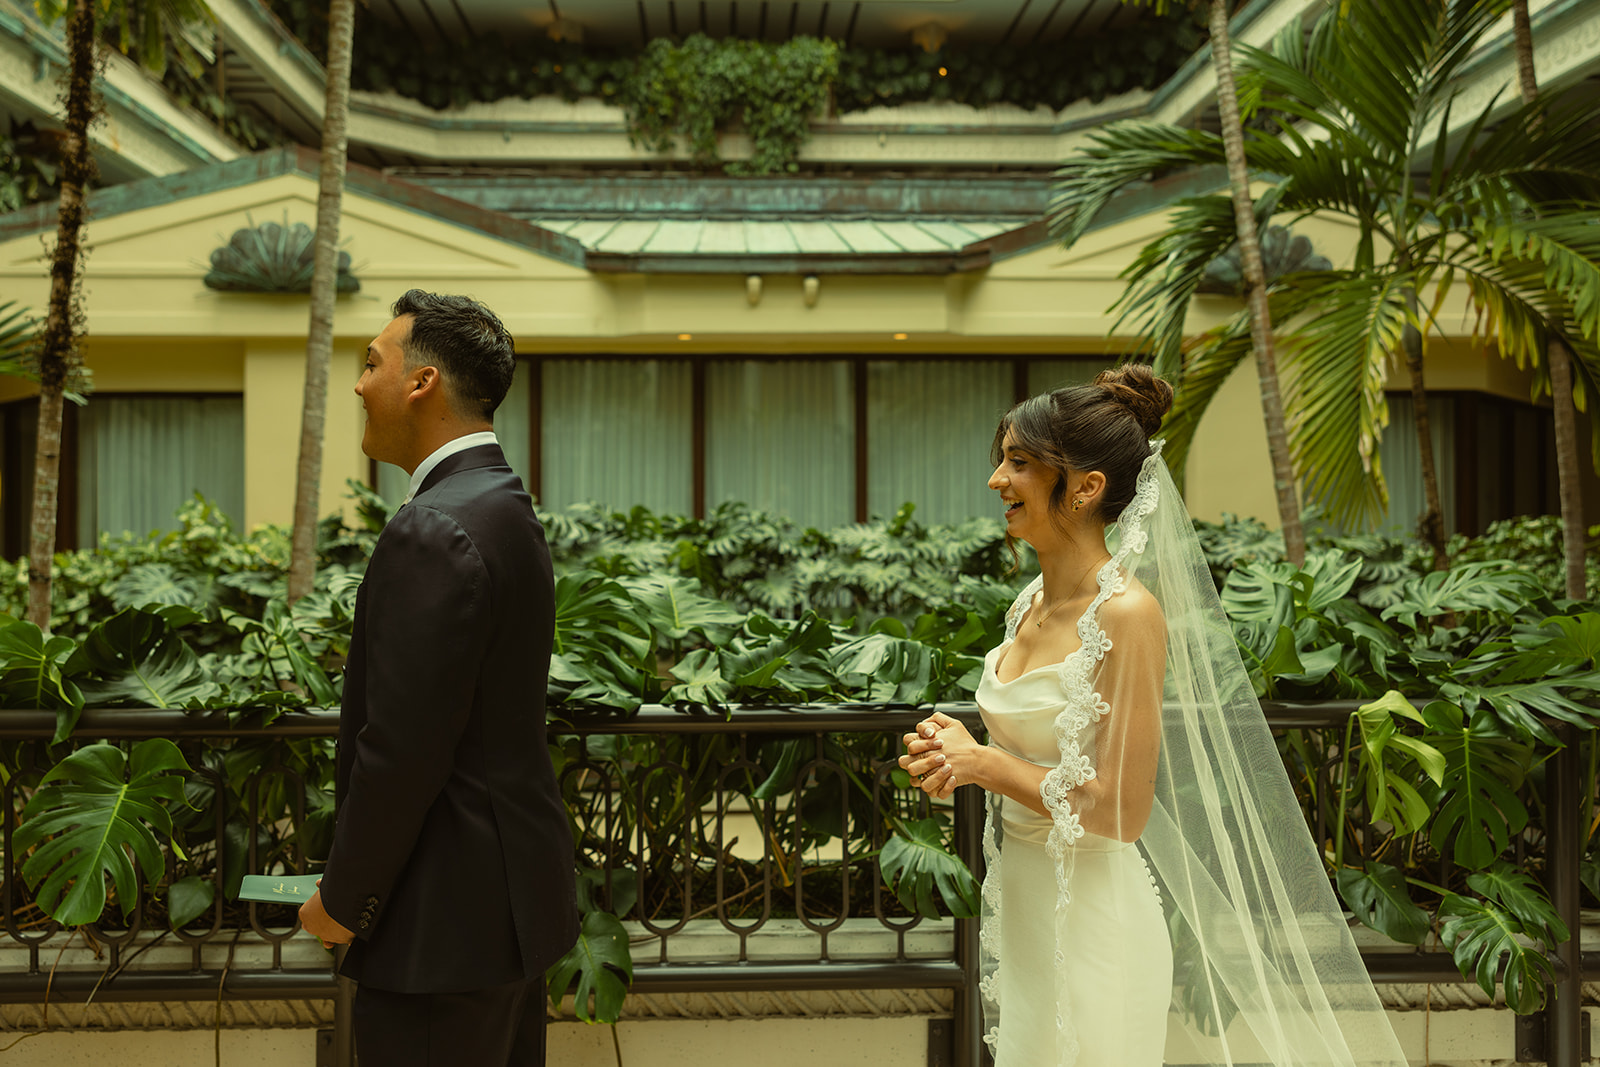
<point>1136,387</point>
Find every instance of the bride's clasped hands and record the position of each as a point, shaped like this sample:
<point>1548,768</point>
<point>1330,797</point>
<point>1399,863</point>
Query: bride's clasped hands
<point>934,752</point>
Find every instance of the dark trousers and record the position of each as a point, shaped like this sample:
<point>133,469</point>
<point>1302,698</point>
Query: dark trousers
<point>498,1027</point>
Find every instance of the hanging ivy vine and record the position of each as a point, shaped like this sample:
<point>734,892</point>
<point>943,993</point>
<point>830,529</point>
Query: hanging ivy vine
<point>691,91</point>
<point>30,160</point>
<point>694,90</point>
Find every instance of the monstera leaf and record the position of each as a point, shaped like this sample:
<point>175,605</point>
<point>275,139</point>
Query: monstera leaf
<point>33,673</point>
<point>1391,796</point>
<point>91,817</point>
<point>888,669</point>
<point>1469,587</point>
<point>1379,899</point>
<point>594,612</point>
<point>1487,936</point>
<point>136,657</point>
<point>188,899</point>
<point>602,967</point>
<point>158,583</point>
<point>280,634</point>
<point>1479,807</point>
<point>700,680</point>
<point>914,861</point>
<point>675,607</point>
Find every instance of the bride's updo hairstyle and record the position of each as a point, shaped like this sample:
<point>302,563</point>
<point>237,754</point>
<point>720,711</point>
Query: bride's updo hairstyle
<point>1105,426</point>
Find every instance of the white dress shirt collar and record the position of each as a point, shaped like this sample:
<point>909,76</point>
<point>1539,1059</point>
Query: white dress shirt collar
<point>445,451</point>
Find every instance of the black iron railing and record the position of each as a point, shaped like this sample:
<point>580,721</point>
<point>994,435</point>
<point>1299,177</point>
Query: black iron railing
<point>628,832</point>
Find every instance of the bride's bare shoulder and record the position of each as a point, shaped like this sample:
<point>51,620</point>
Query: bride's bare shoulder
<point>1134,607</point>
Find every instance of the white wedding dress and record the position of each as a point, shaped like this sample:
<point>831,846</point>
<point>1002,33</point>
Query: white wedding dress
<point>1104,1003</point>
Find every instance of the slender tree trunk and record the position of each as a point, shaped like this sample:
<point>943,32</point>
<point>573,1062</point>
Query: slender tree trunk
<point>58,354</point>
<point>1294,538</point>
<point>1560,360</point>
<point>1573,532</point>
<point>1431,525</point>
<point>324,288</point>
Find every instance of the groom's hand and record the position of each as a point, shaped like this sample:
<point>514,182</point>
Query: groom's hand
<point>319,924</point>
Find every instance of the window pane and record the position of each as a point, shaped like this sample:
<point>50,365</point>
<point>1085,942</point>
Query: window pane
<point>781,437</point>
<point>141,458</point>
<point>617,432</point>
<point>1047,374</point>
<point>929,427</point>
<point>511,420</point>
<point>510,426</point>
<point>1402,463</point>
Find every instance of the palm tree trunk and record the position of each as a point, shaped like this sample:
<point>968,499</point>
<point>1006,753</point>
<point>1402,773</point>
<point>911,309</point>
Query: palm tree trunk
<point>324,288</point>
<point>1560,361</point>
<point>58,354</point>
<point>1294,538</point>
<point>1431,525</point>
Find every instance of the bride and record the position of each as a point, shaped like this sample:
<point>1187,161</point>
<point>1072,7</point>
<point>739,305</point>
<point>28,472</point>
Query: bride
<point>1152,891</point>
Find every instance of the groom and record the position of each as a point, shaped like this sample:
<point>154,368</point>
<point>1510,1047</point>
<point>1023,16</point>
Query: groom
<point>451,872</point>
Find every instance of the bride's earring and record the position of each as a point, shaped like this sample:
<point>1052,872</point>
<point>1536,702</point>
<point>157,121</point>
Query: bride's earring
<point>1076,504</point>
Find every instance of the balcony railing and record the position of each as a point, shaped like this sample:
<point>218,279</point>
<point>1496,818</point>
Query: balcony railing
<point>664,843</point>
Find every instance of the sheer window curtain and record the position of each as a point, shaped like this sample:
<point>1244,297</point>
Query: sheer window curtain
<point>141,458</point>
<point>1402,463</point>
<point>930,425</point>
<point>1047,374</point>
<point>617,432</point>
<point>510,425</point>
<point>780,436</point>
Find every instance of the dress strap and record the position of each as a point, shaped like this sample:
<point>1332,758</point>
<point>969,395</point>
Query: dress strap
<point>1019,606</point>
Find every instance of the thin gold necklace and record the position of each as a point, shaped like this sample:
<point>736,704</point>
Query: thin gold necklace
<point>1040,620</point>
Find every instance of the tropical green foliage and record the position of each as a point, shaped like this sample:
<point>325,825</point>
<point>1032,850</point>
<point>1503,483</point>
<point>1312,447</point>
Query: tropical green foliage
<point>1458,674</point>
<point>915,861</point>
<point>694,91</point>
<point>27,167</point>
<point>600,966</point>
<point>19,338</point>
<point>696,87</point>
<point>92,817</point>
<point>1505,208</point>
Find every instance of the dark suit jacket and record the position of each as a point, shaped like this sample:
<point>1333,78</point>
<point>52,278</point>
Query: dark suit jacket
<point>452,860</point>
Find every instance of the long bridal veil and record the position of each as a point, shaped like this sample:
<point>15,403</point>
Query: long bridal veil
<point>1265,970</point>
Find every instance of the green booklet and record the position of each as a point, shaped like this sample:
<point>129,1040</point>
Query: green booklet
<point>293,889</point>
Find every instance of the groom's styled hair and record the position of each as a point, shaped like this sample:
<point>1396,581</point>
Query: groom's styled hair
<point>466,341</point>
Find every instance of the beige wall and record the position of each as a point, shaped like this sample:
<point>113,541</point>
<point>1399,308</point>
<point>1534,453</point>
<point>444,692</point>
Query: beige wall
<point>274,385</point>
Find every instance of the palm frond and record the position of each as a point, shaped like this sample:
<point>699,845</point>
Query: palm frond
<point>1163,278</point>
<point>1337,362</point>
<point>1516,310</point>
<point>19,333</point>
<point>1564,245</point>
<point>1119,154</point>
<point>1546,151</point>
<point>1337,174</point>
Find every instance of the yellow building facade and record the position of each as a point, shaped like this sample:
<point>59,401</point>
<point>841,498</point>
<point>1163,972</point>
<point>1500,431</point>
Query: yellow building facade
<point>1005,316</point>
